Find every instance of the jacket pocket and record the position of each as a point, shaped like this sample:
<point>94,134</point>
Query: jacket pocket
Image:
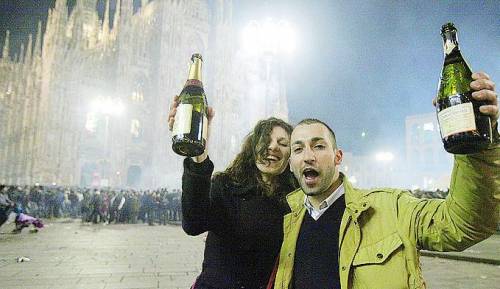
<point>380,265</point>
<point>378,253</point>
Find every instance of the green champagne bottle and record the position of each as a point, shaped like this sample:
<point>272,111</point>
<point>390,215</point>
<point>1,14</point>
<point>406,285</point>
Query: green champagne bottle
<point>189,134</point>
<point>464,130</point>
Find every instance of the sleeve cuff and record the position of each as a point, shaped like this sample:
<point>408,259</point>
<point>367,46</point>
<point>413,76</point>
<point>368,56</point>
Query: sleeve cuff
<point>204,168</point>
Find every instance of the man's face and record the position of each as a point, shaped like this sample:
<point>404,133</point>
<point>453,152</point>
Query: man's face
<point>314,158</point>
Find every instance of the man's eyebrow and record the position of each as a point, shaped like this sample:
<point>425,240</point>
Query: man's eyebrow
<point>316,139</point>
<point>313,140</point>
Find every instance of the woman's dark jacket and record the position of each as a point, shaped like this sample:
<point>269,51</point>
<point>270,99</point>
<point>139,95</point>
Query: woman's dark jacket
<point>245,228</point>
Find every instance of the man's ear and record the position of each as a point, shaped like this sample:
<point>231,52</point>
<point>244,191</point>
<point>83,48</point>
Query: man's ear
<point>338,156</point>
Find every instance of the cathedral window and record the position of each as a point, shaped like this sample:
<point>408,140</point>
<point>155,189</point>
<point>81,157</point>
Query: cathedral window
<point>137,96</point>
<point>91,122</point>
<point>135,128</point>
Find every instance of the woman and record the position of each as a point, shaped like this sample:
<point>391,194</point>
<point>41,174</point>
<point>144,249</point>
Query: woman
<point>242,208</point>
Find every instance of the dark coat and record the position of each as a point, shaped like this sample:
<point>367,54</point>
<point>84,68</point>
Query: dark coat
<point>245,228</point>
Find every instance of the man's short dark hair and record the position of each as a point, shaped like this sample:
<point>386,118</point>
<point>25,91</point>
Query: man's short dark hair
<point>308,121</point>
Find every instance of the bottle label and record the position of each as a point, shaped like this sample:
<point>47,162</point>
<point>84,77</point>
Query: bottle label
<point>182,124</point>
<point>456,119</point>
<point>205,127</point>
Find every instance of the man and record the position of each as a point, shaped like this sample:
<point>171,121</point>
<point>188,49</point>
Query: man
<point>340,237</point>
<point>96,204</point>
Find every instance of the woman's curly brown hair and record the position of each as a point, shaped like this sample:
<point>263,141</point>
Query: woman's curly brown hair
<point>243,169</point>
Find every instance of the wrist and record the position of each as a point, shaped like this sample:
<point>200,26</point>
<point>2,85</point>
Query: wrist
<point>200,158</point>
<point>494,131</point>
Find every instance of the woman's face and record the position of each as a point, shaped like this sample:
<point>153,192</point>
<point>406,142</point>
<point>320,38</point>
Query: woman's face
<point>275,161</point>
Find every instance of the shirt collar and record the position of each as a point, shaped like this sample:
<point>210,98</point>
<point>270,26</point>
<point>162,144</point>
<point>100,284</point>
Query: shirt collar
<point>316,213</point>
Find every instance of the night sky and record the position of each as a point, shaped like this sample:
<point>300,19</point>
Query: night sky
<point>361,66</point>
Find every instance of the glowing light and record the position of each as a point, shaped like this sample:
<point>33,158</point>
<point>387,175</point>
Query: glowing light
<point>107,106</point>
<point>429,126</point>
<point>384,156</point>
<point>269,36</point>
<point>353,179</point>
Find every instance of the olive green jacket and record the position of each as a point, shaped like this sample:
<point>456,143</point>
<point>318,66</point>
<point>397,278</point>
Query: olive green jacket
<point>382,230</point>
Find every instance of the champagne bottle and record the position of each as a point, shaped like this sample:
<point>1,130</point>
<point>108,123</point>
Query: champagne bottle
<point>189,134</point>
<point>464,130</point>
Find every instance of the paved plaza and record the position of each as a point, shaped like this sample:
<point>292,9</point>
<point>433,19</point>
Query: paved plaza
<point>69,254</point>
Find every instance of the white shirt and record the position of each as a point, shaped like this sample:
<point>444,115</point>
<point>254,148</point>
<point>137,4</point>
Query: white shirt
<point>316,213</point>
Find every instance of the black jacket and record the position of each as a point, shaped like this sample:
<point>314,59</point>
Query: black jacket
<point>245,228</point>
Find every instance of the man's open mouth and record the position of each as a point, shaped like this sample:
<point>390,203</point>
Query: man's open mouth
<point>310,175</point>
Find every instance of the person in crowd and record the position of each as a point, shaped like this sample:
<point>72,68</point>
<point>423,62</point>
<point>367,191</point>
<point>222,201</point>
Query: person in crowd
<point>338,236</point>
<point>115,210</point>
<point>162,209</point>
<point>142,206</point>
<point>23,221</point>
<point>96,207</point>
<point>6,205</point>
<point>242,207</point>
<point>133,199</point>
<point>85,208</point>
<point>104,209</point>
<point>58,199</point>
<point>73,203</point>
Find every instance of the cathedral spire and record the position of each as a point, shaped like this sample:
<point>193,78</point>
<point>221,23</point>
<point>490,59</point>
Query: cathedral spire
<point>127,9</point>
<point>105,23</point>
<point>116,21</point>
<point>5,52</point>
<point>38,41</point>
<point>29,49</point>
<point>21,53</point>
<point>61,4</point>
<point>223,11</point>
<point>62,9</point>
<point>116,18</point>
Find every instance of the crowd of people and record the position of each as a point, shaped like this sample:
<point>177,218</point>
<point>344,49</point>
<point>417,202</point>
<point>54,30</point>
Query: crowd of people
<point>95,205</point>
<point>112,206</point>
<point>429,194</point>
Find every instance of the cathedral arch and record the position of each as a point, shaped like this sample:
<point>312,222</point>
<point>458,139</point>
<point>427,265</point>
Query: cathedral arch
<point>134,175</point>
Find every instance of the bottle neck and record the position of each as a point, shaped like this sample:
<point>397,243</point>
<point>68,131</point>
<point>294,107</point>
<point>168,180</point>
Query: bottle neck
<point>195,70</point>
<point>450,42</point>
